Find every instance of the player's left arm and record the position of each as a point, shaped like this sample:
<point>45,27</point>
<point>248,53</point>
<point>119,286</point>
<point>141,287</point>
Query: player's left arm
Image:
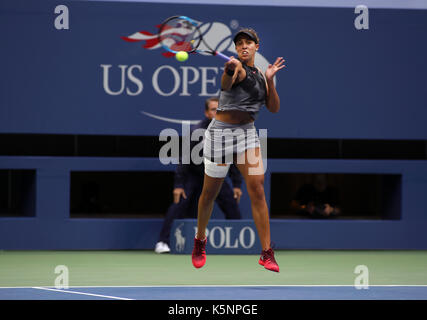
<point>272,100</point>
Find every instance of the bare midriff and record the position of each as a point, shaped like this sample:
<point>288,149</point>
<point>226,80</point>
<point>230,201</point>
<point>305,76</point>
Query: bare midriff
<point>234,117</point>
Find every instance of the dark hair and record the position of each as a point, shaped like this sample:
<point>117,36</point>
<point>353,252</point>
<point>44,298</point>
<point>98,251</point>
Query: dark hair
<point>251,33</point>
<point>209,100</point>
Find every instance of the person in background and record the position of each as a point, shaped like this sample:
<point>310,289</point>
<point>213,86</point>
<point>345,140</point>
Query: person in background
<point>317,199</point>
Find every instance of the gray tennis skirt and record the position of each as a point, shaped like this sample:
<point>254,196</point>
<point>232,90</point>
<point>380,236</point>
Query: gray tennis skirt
<point>224,140</point>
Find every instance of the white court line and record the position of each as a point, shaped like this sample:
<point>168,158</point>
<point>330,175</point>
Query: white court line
<point>264,286</point>
<point>232,285</point>
<point>81,293</point>
<point>252,285</point>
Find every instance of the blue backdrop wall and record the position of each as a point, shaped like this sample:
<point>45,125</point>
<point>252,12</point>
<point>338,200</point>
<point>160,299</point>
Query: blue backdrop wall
<point>362,83</point>
<point>340,82</point>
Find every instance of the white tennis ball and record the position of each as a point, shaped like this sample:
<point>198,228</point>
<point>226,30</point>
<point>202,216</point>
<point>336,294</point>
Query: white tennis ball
<point>181,56</point>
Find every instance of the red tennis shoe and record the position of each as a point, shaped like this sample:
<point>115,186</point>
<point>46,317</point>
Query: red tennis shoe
<point>198,256</point>
<point>267,260</point>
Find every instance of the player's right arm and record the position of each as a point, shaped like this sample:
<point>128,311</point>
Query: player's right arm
<point>233,73</point>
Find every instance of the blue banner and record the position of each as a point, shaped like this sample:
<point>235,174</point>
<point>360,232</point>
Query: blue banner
<point>223,237</point>
<point>80,67</point>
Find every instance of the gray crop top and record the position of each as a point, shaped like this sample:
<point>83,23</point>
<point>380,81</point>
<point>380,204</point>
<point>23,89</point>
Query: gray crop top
<point>248,95</point>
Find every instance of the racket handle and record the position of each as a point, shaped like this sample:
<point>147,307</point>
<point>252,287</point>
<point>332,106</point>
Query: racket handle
<point>221,55</point>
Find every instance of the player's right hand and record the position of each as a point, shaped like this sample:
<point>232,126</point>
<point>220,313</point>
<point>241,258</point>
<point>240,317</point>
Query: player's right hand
<point>232,64</point>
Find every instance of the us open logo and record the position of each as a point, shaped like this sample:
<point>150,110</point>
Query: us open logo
<point>217,34</point>
<point>172,79</point>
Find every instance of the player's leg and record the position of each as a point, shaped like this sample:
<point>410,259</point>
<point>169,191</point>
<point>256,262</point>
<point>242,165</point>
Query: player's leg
<point>213,180</point>
<point>253,174</point>
<point>211,188</point>
<point>250,165</point>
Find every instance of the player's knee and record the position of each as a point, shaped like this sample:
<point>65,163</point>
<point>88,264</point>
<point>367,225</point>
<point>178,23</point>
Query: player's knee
<point>256,191</point>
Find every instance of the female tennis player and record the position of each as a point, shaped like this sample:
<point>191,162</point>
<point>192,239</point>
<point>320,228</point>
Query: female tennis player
<point>231,137</point>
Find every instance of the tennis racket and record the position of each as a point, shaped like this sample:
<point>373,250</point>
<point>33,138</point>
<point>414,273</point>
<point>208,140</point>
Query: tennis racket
<point>181,33</point>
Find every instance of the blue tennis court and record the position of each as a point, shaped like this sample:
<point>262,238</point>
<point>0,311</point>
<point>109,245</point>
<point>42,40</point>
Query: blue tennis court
<point>144,275</point>
<point>218,293</point>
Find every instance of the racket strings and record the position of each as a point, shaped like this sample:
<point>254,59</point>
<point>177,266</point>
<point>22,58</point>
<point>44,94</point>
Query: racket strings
<point>179,35</point>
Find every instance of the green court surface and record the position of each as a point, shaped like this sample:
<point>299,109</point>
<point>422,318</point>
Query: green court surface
<point>145,268</point>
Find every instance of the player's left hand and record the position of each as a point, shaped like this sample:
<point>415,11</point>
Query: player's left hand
<point>273,68</point>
